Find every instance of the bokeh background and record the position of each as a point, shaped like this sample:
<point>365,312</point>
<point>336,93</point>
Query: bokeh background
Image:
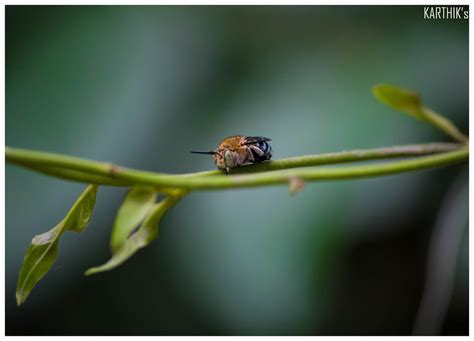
<point>141,86</point>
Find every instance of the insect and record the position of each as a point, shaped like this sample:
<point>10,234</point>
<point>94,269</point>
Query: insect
<point>238,150</point>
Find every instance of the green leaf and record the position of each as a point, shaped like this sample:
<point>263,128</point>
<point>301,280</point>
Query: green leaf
<point>135,207</point>
<point>400,99</point>
<point>81,212</point>
<point>410,102</point>
<point>147,232</point>
<point>43,250</point>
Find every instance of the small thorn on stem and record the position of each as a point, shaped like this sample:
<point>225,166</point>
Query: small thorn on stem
<point>113,169</point>
<point>295,184</point>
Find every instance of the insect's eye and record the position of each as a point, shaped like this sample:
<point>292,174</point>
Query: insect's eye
<point>229,158</point>
<point>228,155</point>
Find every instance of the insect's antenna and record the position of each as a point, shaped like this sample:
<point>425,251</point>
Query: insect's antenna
<point>211,152</point>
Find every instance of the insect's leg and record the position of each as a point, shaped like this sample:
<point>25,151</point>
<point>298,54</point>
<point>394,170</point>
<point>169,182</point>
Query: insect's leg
<point>256,150</point>
<point>250,157</point>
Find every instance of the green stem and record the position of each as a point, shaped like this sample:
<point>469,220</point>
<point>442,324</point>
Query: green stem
<point>35,159</point>
<point>309,174</point>
<point>444,124</point>
<point>70,174</point>
<point>341,157</point>
<point>136,177</point>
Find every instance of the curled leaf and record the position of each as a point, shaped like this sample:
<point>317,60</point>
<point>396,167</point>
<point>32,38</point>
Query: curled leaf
<point>43,250</point>
<point>144,235</point>
<point>135,207</point>
<point>80,213</point>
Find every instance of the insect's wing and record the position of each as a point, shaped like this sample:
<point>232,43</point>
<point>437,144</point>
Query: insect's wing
<point>255,139</point>
<point>259,147</point>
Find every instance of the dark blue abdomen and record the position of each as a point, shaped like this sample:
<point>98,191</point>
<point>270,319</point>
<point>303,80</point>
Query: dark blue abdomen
<point>267,151</point>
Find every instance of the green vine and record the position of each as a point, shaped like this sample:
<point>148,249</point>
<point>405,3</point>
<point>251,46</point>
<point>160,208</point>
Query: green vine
<point>136,224</point>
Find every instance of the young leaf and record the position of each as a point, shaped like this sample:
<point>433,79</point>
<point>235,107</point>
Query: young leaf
<point>135,207</point>
<point>43,250</point>
<point>81,212</point>
<point>147,232</point>
<point>400,99</point>
<point>410,102</point>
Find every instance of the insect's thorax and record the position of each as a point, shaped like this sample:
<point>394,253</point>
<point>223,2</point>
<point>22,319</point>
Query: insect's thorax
<point>232,143</point>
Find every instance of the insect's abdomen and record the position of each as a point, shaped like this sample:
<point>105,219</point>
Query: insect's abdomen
<point>267,152</point>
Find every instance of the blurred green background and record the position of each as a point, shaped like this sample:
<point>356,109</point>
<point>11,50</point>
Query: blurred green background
<point>141,86</point>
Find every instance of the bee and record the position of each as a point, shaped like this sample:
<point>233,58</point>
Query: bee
<point>239,150</point>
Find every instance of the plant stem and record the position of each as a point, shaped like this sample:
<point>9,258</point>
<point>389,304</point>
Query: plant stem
<point>128,177</point>
<point>444,124</point>
<point>310,174</point>
<point>70,174</point>
<point>42,161</point>
<point>341,157</point>
<point>442,258</point>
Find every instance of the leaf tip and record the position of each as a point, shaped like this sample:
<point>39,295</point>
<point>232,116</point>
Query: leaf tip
<point>20,297</point>
<point>91,271</point>
<point>101,268</point>
<point>401,99</point>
